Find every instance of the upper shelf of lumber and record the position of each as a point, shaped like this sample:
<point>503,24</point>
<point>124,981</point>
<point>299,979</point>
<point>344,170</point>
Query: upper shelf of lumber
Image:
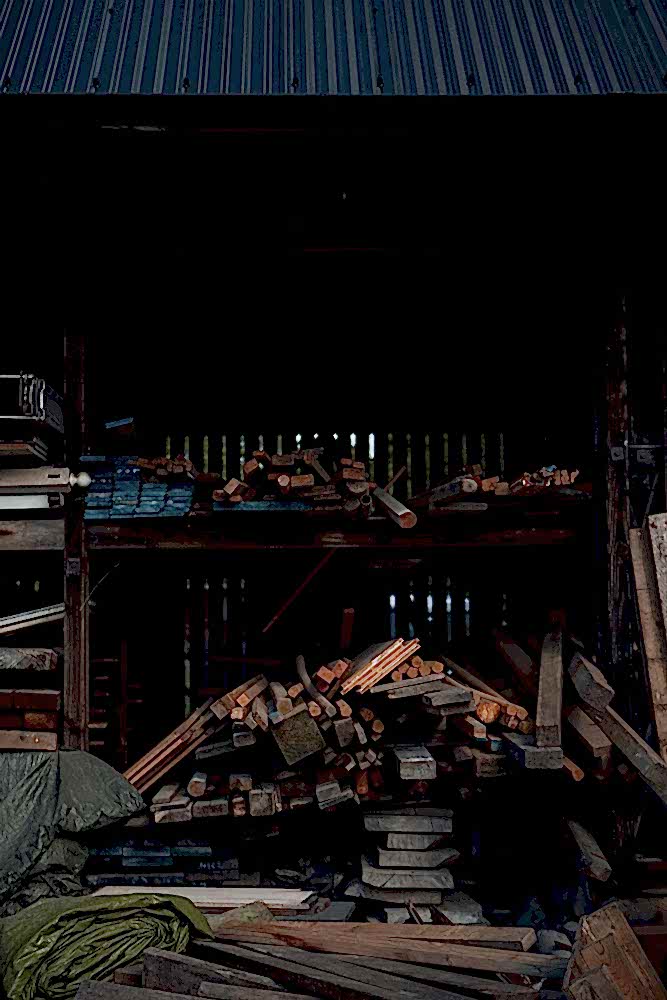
<point>516,522</point>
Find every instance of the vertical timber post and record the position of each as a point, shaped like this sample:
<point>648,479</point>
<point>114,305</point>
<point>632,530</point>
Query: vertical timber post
<point>76,659</point>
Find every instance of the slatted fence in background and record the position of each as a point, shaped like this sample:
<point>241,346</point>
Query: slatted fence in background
<point>429,456</point>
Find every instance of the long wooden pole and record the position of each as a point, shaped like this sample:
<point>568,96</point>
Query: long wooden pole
<point>76,675</point>
<point>299,590</point>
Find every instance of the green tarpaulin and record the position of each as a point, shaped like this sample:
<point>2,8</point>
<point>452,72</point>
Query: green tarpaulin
<point>47,949</point>
<point>45,797</point>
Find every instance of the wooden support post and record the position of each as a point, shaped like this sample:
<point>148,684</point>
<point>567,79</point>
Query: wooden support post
<point>76,657</point>
<point>550,694</point>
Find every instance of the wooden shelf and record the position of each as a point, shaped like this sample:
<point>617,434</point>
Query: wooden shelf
<point>519,522</point>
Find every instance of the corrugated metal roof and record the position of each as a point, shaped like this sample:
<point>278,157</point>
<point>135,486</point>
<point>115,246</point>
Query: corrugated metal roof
<point>333,46</point>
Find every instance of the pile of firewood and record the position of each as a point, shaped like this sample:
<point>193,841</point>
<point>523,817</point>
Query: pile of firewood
<point>472,480</point>
<point>300,480</point>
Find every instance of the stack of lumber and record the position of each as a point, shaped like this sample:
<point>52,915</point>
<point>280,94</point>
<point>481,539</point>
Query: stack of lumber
<point>299,481</point>
<point>30,451</point>
<point>29,719</point>
<point>473,481</point>
<point>274,959</point>
<point>306,717</point>
<point>408,864</point>
<point>404,737</point>
<point>128,487</point>
<point>27,619</point>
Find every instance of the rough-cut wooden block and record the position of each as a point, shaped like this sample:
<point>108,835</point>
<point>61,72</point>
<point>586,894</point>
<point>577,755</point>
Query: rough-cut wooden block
<point>427,897</point>
<point>175,973</point>
<point>413,841</point>
<point>197,785</point>
<point>165,794</point>
<point>240,782</point>
<point>415,763</point>
<point>298,737</point>
<point>263,800</point>
<point>390,878</point>
<point>211,808</point>
<point>417,858</point>
<point>459,908</point>
<point>46,701</point>
<point>589,734</point>
<point>594,862</point>
<point>590,683</point>
<point>183,815</point>
<point>384,823</point>
<point>644,759</point>
<point>522,749</point>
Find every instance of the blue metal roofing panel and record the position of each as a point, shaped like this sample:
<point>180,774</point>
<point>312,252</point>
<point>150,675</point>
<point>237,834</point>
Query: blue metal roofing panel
<point>333,46</point>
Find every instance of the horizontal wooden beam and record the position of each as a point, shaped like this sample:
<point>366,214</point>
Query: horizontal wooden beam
<point>144,536</point>
<point>34,535</point>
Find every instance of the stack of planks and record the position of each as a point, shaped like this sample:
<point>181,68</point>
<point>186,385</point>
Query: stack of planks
<point>29,718</point>
<point>409,866</point>
<point>273,959</point>
<point>472,481</point>
<point>299,480</point>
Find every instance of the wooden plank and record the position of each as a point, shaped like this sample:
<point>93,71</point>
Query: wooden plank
<point>426,974</point>
<point>413,841</point>
<point>519,662</point>
<point>317,981</point>
<point>350,939</point>
<point>411,878</point>
<point>448,696</point>
<point>644,759</point>
<point>129,975</point>
<point>174,973</point>
<point>396,897</point>
<point>417,859</point>
<point>34,535</point>
<point>550,692</point>
<point>651,591</point>
<point>92,990</point>
<point>328,963</point>
<point>590,682</point>
<point>407,824</point>
<point>590,734</point>
<point>174,735</point>
<point>475,683</point>
<point>433,682</point>
<point>594,862</point>
<point>14,739</point>
<point>398,512</point>
<point>216,991</point>
<point>511,938</point>
<point>224,898</point>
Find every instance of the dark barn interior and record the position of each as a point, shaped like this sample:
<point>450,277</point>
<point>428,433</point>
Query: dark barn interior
<point>443,290</point>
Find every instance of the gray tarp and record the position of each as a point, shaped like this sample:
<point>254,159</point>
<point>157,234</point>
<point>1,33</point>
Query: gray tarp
<point>45,796</point>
